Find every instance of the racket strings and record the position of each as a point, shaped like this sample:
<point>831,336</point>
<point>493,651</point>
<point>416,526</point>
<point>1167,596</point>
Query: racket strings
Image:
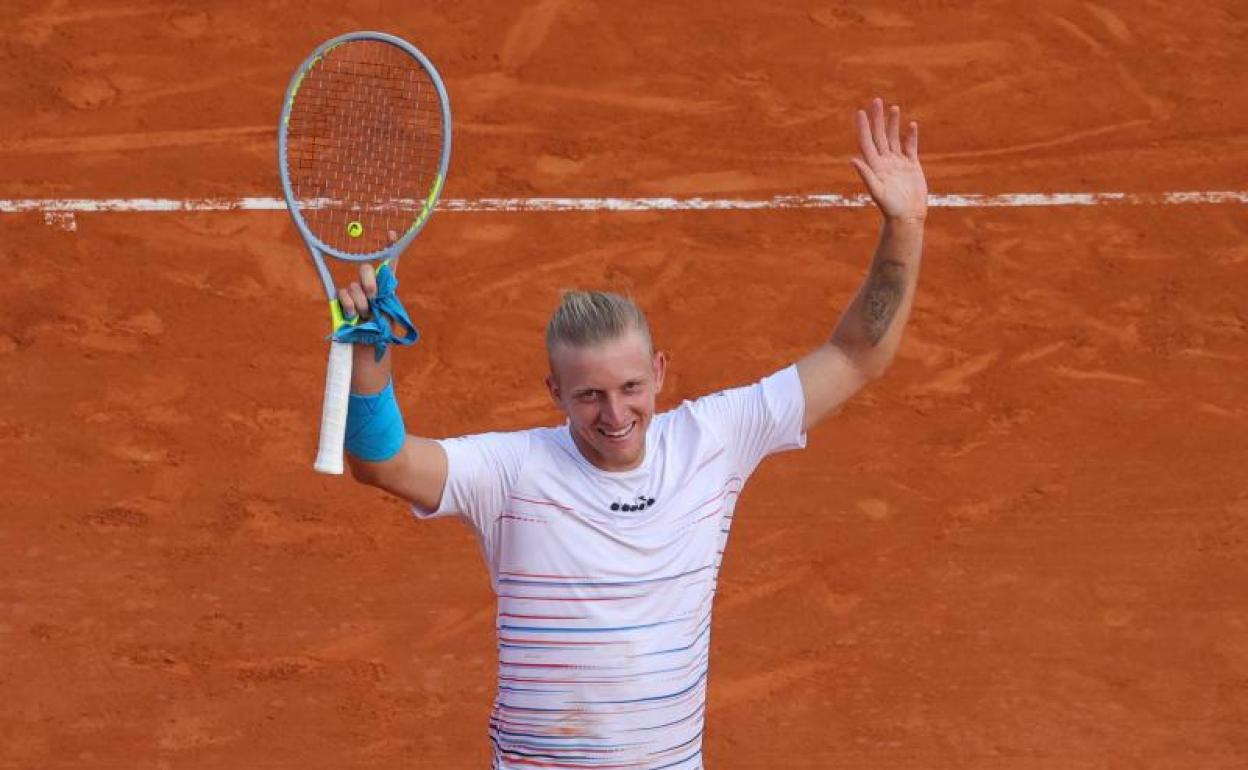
<point>364,145</point>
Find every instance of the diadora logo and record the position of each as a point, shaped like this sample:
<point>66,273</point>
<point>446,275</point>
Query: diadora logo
<point>640,502</point>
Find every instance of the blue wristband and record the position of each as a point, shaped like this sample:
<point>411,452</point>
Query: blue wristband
<point>375,429</point>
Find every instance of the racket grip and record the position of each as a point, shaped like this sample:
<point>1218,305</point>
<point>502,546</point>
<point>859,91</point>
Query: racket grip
<point>334,411</point>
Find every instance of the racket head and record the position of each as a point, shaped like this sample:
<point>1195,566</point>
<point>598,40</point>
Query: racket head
<point>364,142</point>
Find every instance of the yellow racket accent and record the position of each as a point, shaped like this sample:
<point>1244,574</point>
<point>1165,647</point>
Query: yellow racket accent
<point>433,194</point>
<point>427,208</point>
<point>299,83</point>
<point>337,318</point>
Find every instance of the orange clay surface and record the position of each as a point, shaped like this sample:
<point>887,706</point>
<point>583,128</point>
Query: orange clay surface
<point>1025,548</point>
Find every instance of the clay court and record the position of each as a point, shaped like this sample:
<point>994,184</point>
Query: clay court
<point>1025,548</point>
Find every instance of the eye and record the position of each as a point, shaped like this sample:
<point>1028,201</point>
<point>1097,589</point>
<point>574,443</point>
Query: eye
<point>587,395</point>
<point>632,387</point>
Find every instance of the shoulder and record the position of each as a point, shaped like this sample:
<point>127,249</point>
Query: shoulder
<point>691,420</point>
<point>493,440</point>
<point>535,450</point>
<point>756,419</point>
<point>506,449</point>
<point>727,404</point>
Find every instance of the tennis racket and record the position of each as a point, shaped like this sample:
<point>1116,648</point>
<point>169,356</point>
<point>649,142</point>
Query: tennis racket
<point>363,146</point>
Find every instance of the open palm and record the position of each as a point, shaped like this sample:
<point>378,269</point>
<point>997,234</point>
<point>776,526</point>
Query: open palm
<point>890,169</point>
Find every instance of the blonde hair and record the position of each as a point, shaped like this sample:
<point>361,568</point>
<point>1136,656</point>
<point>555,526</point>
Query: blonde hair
<point>587,318</point>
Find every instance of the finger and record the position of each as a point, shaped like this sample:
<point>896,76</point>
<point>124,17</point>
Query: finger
<point>894,128</point>
<point>347,304</point>
<point>868,176</point>
<point>866,145</point>
<point>368,280</point>
<point>912,142</point>
<point>359,300</point>
<point>877,125</point>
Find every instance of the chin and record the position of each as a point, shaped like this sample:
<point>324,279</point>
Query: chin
<point>628,458</point>
<point>620,457</point>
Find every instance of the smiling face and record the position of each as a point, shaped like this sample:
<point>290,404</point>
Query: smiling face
<point>608,392</point>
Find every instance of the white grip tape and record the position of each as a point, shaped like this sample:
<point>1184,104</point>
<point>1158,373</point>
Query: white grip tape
<point>334,412</point>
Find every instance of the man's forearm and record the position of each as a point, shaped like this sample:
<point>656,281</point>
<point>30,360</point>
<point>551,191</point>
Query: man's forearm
<point>368,375</point>
<point>869,331</point>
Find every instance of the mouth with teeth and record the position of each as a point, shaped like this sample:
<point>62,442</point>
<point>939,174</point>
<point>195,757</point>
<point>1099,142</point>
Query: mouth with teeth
<point>618,435</point>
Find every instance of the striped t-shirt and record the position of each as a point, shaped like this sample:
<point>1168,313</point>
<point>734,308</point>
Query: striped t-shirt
<point>604,597</point>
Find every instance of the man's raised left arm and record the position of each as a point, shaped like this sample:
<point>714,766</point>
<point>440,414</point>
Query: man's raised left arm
<point>869,331</point>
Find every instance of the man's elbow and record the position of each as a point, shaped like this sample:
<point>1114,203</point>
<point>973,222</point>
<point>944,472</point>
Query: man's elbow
<point>869,364</point>
<point>873,368</point>
<point>402,477</point>
<point>365,472</point>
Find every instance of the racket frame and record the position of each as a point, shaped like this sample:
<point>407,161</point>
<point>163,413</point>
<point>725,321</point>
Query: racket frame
<point>329,456</point>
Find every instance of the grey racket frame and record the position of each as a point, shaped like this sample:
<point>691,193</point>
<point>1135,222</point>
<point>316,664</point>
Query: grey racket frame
<point>329,457</point>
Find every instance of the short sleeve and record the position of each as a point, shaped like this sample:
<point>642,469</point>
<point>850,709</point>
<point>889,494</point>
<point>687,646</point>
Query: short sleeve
<point>481,471</point>
<point>758,420</point>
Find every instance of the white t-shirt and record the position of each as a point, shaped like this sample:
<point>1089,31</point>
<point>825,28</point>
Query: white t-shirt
<point>604,615</point>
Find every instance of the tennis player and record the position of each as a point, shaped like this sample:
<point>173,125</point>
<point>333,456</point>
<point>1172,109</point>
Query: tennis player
<point>603,536</point>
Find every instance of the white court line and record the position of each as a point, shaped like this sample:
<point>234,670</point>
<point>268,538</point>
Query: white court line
<point>814,201</point>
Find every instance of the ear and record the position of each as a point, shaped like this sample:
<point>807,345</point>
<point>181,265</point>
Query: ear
<point>553,388</point>
<point>660,369</point>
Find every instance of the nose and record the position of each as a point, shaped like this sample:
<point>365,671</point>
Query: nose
<point>613,410</point>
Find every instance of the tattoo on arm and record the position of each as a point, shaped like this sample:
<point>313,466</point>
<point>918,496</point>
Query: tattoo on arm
<point>886,286</point>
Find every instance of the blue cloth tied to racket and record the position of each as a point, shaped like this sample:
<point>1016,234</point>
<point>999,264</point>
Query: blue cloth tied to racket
<point>378,331</point>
